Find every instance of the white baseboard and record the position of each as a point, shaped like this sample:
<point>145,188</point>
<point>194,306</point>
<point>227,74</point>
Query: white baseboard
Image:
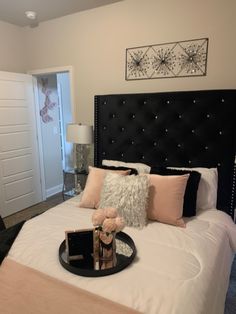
<point>54,190</point>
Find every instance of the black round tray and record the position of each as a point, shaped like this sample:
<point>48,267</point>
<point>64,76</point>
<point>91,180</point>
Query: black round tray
<point>78,268</point>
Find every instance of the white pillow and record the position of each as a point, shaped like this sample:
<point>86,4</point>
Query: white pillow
<point>207,189</point>
<point>141,168</point>
<point>129,196</point>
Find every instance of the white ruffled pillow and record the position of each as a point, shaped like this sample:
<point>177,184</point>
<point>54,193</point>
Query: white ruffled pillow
<point>140,167</point>
<point>129,194</point>
<point>207,189</point>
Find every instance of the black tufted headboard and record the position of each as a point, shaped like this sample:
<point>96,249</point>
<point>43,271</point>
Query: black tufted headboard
<point>186,128</point>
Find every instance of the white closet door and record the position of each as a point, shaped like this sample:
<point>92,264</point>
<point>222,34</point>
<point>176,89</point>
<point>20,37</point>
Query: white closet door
<point>20,185</point>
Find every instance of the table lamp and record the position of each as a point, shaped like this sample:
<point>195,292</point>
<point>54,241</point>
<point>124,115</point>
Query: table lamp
<point>81,136</point>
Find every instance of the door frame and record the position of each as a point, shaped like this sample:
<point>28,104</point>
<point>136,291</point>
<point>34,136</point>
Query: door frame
<point>46,71</point>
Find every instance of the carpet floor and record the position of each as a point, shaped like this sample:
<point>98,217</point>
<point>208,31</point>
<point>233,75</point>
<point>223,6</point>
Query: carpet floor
<point>29,212</point>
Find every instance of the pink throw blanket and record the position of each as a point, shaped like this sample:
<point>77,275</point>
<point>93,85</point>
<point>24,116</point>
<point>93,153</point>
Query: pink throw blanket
<point>24,290</point>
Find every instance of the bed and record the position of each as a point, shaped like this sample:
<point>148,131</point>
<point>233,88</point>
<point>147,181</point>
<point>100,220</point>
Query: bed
<point>176,270</point>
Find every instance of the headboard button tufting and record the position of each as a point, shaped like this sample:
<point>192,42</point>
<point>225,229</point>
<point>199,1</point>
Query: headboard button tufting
<point>190,128</point>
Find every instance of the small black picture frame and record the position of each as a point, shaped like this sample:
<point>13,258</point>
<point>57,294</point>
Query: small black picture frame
<point>79,244</point>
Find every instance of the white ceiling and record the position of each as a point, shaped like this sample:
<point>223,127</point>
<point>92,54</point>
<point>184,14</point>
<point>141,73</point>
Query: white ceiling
<point>13,11</point>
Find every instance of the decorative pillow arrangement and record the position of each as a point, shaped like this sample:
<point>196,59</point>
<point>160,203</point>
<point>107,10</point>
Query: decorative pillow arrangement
<point>207,190</point>
<point>140,167</point>
<point>137,197</point>
<point>129,195</point>
<point>166,197</point>
<point>190,196</point>
<point>91,194</point>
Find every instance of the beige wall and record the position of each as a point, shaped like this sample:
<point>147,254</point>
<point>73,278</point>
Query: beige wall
<point>12,48</point>
<point>94,43</point>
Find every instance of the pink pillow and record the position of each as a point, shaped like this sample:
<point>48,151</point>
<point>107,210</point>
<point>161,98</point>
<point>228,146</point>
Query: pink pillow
<point>166,197</point>
<point>91,194</point>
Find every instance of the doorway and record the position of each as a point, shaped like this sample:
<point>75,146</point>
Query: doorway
<point>54,109</point>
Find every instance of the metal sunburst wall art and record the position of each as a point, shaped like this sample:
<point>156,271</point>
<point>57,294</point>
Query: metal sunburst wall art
<point>177,59</point>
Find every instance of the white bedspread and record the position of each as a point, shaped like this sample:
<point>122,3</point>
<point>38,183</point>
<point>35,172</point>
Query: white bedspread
<point>176,271</point>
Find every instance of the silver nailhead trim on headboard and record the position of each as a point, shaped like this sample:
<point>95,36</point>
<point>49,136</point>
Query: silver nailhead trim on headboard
<point>232,201</point>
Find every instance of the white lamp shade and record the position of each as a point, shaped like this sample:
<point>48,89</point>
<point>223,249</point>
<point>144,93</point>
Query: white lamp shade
<point>79,133</point>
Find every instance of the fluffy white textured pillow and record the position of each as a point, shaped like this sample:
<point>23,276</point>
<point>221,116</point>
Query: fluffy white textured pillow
<point>207,189</point>
<point>140,167</point>
<point>129,194</point>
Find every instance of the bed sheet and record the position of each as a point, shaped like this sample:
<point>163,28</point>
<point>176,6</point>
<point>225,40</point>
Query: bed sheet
<point>176,270</point>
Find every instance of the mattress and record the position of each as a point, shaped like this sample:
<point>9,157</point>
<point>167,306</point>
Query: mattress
<point>176,270</point>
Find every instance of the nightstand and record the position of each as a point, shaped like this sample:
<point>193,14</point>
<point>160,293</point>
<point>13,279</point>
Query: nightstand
<point>73,182</point>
